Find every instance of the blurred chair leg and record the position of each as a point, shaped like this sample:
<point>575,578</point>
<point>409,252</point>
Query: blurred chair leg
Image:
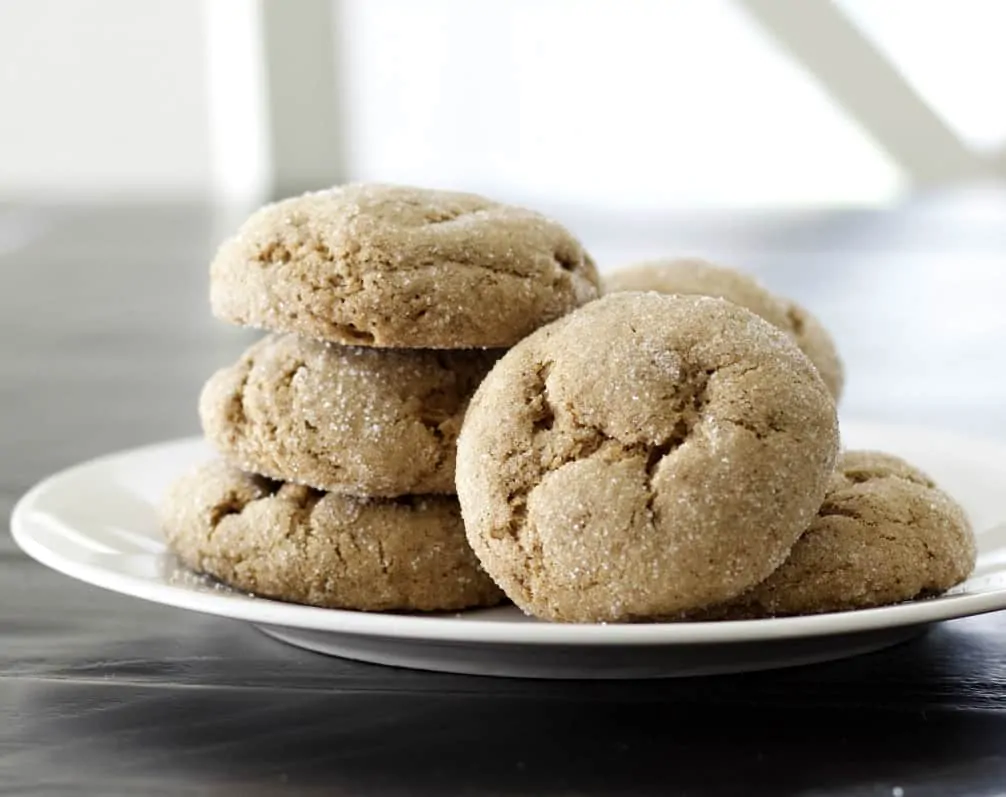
<point>865,85</point>
<point>275,110</point>
<point>239,148</point>
<point>306,139</point>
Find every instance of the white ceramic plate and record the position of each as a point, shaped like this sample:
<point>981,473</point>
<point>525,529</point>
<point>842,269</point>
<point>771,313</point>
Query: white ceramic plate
<point>97,522</point>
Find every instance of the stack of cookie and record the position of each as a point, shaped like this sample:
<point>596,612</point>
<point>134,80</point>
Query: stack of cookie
<point>386,307</point>
<point>669,451</point>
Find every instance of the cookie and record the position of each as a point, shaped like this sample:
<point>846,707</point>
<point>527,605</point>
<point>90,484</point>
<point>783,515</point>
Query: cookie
<point>343,418</point>
<point>884,534</point>
<point>697,277</point>
<point>392,266</point>
<point>645,455</point>
<point>295,544</point>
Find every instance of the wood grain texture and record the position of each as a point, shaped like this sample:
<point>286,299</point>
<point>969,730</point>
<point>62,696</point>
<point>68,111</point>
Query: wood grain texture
<point>105,339</point>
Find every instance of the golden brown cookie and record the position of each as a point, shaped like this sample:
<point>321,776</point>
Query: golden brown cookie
<point>884,534</point>
<point>643,456</point>
<point>392,266</point>
<point>295,544</point>
<point>691,276</point>
<point>344,418</point>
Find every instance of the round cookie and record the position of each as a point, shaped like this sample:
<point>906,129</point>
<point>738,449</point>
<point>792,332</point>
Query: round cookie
<point>884,534</point>
<point>392,266</point>
<point>344,418</point>
<point>295,544</point>
<point>643,456</point>
<point>691,276</point>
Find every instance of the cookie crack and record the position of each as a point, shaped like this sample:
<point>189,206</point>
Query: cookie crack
<point>832,509</point>
<point>566,261</point>
<point>437,406</point>
<point>351,331</point>
<point>337,551</point>
<point>381,556</point>
<point>433,425</point>
<point>796,320</point>
<point>691,410</point>
<point>439,459</point>
<point>586,439</point>
<point>865,476</point>
<point>303,498</point>
<point>283,385</point>
<point>760,433</point>
<point>446,216</point>
<point>231,504</point>
<point>239,411</point>
<point>285,380</point>
<point>654,457</point>
<point>742,369</point>
<point>543,413</point>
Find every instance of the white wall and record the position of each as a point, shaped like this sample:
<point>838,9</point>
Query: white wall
<point>627,104</point>
<point>100,98</point>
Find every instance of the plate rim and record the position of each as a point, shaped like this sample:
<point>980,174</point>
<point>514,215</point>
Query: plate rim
<point>448,628</point>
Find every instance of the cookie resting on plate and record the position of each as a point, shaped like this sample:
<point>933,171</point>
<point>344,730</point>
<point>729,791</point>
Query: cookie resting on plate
<point>292,543</point>
<point>643,456</point>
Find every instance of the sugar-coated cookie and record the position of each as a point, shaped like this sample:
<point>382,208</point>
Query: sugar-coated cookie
<point>643,456</point>
<point>295,544</point>
<point>884,534</point>
<point>691,276</point>
<point>393,266</point>
<point>344,418</point>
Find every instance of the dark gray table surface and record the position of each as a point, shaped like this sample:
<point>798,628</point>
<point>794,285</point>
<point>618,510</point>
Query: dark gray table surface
<point>106,339</point>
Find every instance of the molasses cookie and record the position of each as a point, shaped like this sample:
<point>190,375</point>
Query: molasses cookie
<point>643,456</point>
<point>697,277</point>
<point>884,534</point>
<point>295,544</point>
<point>392,266</point>
<point>343,418</point>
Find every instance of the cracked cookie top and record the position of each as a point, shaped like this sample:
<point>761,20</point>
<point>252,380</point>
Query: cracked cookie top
<point>344,418</point>
<point>695,277</point>
<point>392,266</point>
<point>645,455</point>
<point>884,534</point>
<point>297,544</point>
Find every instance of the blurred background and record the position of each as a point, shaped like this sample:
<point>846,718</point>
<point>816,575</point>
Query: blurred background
<point>852,153</point>
<point>612,105</point>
